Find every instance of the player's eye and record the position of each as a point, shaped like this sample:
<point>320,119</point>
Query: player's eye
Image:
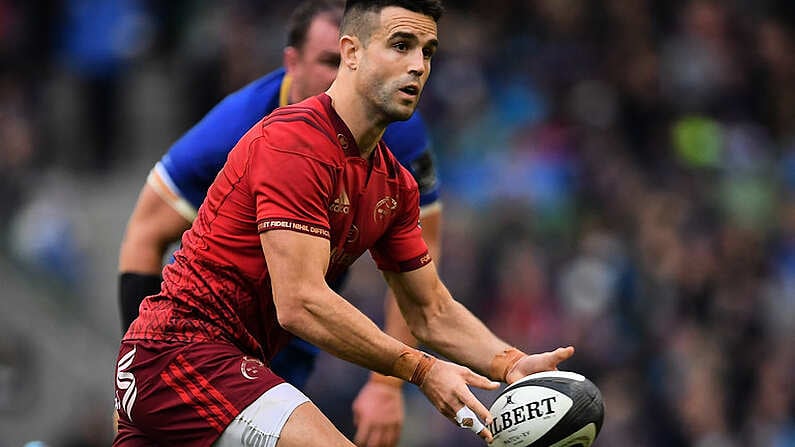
<point>427,53</point>
<point>400,46</point>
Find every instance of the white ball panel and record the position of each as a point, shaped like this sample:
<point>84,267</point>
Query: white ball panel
<point>523,415</point>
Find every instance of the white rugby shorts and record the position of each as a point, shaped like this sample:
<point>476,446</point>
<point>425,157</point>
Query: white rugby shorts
<point>261,423</point>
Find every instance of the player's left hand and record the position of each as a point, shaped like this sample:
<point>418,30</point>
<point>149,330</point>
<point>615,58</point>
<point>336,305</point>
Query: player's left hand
<point>378,414</point>
<point>533,363</point>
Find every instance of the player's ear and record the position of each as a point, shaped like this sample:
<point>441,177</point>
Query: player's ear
<point>349,52</point>
<point>290,59</point>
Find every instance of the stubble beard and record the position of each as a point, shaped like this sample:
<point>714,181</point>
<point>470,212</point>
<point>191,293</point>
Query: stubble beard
<point>393,109</point>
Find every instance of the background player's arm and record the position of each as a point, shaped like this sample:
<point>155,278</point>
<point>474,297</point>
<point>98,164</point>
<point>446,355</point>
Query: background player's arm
<point>153,226</point>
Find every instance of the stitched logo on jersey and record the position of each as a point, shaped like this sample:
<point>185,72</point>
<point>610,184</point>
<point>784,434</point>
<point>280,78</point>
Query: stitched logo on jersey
<point>341,204</point>
<point>384,208</point>
<point>251,368</point>
<point>353,234</point>
<point>343,141</point>
<point>125,381</point>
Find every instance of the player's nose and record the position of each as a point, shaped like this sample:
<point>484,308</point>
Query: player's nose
<point>417,63</point>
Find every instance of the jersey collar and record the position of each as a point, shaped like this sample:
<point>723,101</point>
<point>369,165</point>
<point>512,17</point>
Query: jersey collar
<point>344,135</point>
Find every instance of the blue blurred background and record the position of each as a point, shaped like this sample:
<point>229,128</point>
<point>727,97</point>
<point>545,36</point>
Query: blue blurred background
<point>617,174</point>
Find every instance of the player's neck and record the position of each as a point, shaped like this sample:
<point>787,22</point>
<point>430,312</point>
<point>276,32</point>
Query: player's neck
<point>364,126</point>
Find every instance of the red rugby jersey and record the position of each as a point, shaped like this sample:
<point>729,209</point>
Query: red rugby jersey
<point>298,169</point>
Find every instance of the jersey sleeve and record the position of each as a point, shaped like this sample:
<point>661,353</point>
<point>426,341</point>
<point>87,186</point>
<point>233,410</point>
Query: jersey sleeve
<point>411,145</point>
<point>402,248</point>
<point>186,171</point>
<point>291,190</point>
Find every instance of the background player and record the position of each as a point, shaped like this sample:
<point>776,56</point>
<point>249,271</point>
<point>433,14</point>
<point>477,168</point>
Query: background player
<point>191,361</point>
<point>178,184</point>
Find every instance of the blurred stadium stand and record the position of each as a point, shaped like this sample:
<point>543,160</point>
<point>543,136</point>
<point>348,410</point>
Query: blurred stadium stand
<point>619,175</point>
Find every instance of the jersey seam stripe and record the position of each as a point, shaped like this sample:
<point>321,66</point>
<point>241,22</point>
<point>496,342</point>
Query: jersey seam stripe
<point>296,110</point>
<point>304,155</point>
<point>305,120</point>
<point>232,189</point>
<point>171,382</point>
<point>304,112</point>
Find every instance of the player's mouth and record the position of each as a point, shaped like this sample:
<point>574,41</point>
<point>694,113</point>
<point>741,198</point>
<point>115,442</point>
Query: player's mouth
<point>411,90</point>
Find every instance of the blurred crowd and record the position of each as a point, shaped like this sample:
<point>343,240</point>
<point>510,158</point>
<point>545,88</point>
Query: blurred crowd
<point>618,175</point>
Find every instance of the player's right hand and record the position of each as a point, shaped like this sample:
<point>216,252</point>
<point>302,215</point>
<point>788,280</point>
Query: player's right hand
<point>533,363</point>
<point>446,386</point>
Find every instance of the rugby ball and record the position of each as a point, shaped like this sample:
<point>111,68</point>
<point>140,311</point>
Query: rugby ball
<point>547,409</point>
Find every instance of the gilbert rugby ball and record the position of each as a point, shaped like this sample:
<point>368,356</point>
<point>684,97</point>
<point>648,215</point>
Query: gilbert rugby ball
<point>547,409</point>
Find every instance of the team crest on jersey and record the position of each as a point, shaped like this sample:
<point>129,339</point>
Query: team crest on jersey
<point>384,208</point>
<point>251,368</point>
<point>341,204</point>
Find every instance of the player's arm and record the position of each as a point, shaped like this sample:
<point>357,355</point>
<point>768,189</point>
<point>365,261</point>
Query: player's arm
<point>378,408</point>
<point>307,307</point>
<point>394,323</point>
<point>405,137</point>
<point>444,324</point>
<point>413,134</point>
<point>152,227</point>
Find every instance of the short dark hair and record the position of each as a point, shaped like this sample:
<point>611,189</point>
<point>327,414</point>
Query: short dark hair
<point>353,21</point>
<point>302,17</point>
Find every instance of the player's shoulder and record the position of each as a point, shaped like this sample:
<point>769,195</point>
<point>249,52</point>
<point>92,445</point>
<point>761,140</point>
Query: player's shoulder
<point>407,139</point>
<point>303,128</point>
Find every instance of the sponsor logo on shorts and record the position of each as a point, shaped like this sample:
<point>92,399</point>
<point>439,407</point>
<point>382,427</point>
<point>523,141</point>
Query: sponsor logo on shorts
<point>251,368</point>
<point>125,381</point>
<point>253,437</point>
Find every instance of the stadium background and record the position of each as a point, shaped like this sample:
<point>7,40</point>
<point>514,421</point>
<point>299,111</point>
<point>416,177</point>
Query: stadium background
<point>617,174</point>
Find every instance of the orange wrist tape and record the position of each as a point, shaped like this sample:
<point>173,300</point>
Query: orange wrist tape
<point>502,363</point>
<point>412,366</point>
